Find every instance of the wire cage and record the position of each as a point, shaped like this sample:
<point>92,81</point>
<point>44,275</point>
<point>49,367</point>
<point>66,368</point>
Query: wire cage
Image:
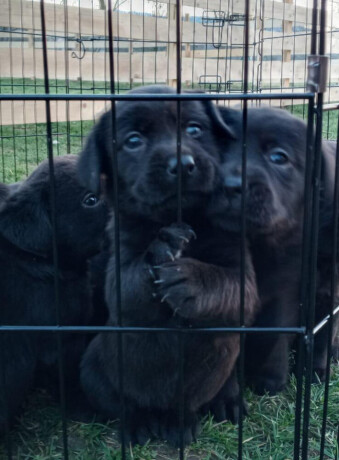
<point>63,63</point>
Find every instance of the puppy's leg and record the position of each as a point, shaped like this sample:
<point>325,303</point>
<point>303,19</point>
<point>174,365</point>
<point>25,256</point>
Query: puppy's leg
<point>170,429</point>
<point>195,289</point>
<point>267,363</point>
<point>321,339</point>
<point>17,366</point>
<point>226,405</point>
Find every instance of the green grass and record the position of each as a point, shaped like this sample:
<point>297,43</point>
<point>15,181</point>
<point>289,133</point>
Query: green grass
<point>37,86</point>
<point>268,432</point>
<point>23,147</point>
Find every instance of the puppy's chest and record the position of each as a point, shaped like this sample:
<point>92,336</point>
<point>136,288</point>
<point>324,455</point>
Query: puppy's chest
<point>276,269</point>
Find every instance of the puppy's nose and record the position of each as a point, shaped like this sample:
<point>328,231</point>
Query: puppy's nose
<point>187,165</point>
<point>233,184</point>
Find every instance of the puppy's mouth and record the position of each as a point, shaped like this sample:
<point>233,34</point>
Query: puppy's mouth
<point>260,213</point>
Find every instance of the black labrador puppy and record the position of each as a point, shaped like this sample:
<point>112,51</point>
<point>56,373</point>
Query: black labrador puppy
<point>172,274</point>
<point>27,295</point>
<point>274,220</point>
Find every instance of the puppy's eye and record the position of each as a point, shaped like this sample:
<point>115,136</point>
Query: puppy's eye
<point>134,141</point>
<point>90,200</point>
<point>194,130</point>
<point>279,157</point>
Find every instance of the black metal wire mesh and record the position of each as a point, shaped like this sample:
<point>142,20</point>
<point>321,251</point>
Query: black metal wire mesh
<point>59,68</point>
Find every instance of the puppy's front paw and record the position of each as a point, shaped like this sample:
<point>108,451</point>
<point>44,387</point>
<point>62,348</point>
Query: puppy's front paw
<point>226,409</point>
<point>170,431</point>
<point>169,244</point>
<point>268,384</point>
<point>178,285</point>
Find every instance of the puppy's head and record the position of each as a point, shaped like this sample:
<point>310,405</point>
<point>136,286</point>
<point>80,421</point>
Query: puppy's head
<point>26,217</point>
<point>276,152</point>
<point>147,153</point>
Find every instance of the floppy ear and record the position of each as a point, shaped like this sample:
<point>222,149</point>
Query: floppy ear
<point>25,223</point>
<point>328,169</point>
<point>94,157</point>
<point>213,112</point>
<point>221,123</point>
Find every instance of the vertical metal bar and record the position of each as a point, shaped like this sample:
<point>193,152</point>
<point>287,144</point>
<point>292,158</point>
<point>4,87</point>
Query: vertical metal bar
<point>243,232</point>
<point>56,89</point>
<point>116,9</point>
<point>80,79</point>
<point>304,276</point>
<point>178,59</point>
<point>334,276</point>
<point>114,174</point>
<point>306,48</point>
<point>294,56</point>
<point>179,219</point>
<point>193,46</point>
<point>12,90</point>
<point>35,87</point>
<point>312,277</point>
<point>143,44</point>
<point>66,63</point>
<point>314,27</point>
<point>315,225</point>
<point>272,41</point>
<point>330,69</point>
<point>156,41</point>
<point>54,240</point>
<point>23,85</point>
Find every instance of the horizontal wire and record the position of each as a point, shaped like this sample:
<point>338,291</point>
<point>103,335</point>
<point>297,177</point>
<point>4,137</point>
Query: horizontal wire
<point>151,97</point>
<point>94,329</point>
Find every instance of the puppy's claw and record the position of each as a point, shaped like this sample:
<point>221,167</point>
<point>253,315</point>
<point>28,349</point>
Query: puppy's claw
<point>164,298</point>
<point>154,295</point>
<point>151,272</point>
<point>158,281</point>
<point>184,239</point>
<point>192,232</point>
<point>170,255</point>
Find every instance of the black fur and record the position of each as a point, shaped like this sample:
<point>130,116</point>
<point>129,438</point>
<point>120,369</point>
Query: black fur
<point>324,289</point>
<point>274,220</point>
<point>27,279</point>
<point>171,274</point>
